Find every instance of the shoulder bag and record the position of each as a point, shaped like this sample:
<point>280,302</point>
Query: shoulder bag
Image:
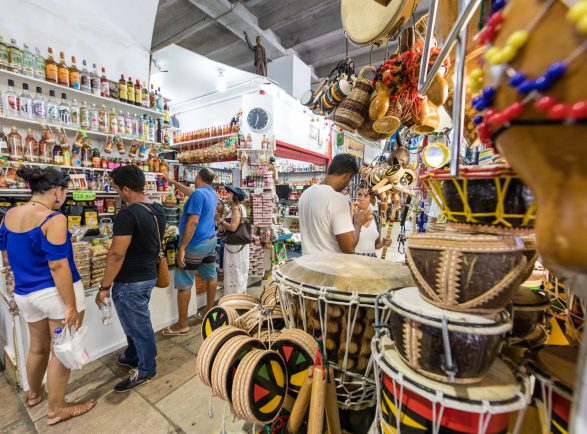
<point>163,275</point>
<point>242,235</point>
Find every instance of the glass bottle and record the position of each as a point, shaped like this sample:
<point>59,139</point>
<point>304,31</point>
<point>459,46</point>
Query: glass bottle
<point>128,124</point>
<point>52,109</point>
<point>145,95</point>
<point>95,80</point>
<point>12,107</point>
<point>108,146</point>
<point>75,114</point>
<point>57,154</point>
<point>122,91</point>
<point>103,119</point>
<point>134,148</point>
<point>85,82</point>
<point>130,91</point>
<point>152,130</point>
<point>4,56</point>
<point>135,126</point>
<point>15,145</point>
<point>152,101</point>
<point>65,149</point>
<point>84,115</point>
<point>62,71</point>
<point>50,67</point>
<point>113,122</point>
<point>46,147</point>
<point>86,156</point>
<point>28,61</point>
<point>104,85</point>
<point>120,146</point>
<point>74,75</point>
<point>159,100</point>
<point>14,57</point>
<point>94,120</point>
<point>26,103</point>
<point>121,123</point>
<point>39,107</point>
<point>39,64</point>
<point>64,111</point>
<point>96,159</point>
<point>159,132</point>
<point>31,148</point>
<point>4,152</point>
<point>138,94</point>
<point>76,154</point>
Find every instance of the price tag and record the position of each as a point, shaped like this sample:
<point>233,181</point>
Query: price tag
<point>83,196</point>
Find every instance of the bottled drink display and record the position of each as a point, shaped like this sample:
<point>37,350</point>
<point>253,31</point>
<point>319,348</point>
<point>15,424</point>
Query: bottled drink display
<point>26,103</point>
<point>85,83</point>
<point>30,150</point>
<point>52,108</point>
<point>39,107</point>
<point>64,111</point>
<point>62,71</point>
<point>28,61</point>
<point>11,107</point>
<point>122,95</point>
<point>130,91</point>
<point>74,75</point>
<point>15,144</point>
<point>85,118</point>
<point>75,114</point>
<point>104,86</point>
<point>95,80</point>
<point>4,152</point>
<point>4,56</point>
<point>94,121</point>
<point>50,67</point>
<point>39,65</point>
<point>14,57</point>
<point>138,93</point>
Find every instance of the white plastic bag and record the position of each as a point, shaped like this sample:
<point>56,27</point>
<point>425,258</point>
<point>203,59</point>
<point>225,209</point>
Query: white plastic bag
<point>70,351</point>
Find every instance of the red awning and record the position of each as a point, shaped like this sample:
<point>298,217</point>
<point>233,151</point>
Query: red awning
<point>285,150</point>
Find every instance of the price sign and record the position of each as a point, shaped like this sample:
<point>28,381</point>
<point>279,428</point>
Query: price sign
<point>83,195</point>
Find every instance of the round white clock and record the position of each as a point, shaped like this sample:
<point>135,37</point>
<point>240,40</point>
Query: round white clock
<point>258,119</point>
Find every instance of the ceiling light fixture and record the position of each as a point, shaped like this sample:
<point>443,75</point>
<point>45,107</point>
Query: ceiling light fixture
<point>220,81</point>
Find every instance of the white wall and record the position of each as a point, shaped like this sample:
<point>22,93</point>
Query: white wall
<point>292,74</point>
<point>216,113</point>
<point>111,33</point>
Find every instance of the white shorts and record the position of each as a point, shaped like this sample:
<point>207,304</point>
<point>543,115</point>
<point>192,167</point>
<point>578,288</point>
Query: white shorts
<point>47,303</point>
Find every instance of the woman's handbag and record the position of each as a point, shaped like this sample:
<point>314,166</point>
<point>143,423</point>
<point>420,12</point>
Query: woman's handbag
<point>242,235</point>
<point>163,275</point>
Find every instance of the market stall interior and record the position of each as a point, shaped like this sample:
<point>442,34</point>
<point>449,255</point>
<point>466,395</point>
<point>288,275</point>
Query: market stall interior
<point>466,120</point>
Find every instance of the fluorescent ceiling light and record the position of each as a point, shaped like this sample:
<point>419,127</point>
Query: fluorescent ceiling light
<point>220,81</point>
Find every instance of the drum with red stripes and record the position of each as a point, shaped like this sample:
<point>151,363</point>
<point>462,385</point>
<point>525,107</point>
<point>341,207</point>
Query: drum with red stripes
<point>554,368</point>
<point>411,403</point>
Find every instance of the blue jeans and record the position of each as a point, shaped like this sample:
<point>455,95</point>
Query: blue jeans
<point>132,305</point>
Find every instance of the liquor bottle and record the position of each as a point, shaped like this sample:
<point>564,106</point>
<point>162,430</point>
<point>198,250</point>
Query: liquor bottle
<point>74,75</point>
<point>159,132</point>
<point>122,91</point>
<point>28,61</point>
<point>166,113</point>
<point>39,62</point>
<point>39,108</point>
<point>51,74</point>
<point>152,130</point>
<point>104,85</point>
<point>66,151</point>
<point>46,147</point>
<point>113,122</point>
<point>152,101</point>
<point>62,71</point>
<point>31,149</point>
<point>130,91</point>
<point>57,154</point>
<point>4,56</point>
<point>138,93</point>
<point>86,84</point>
<point>94,120</point>
<point>145,95</point>
<point>103,119</point>
<point>159,100</point>
<point>14,57</point>
<point>84,115</point>
<point>64,111</point>
<point>26,103</point>
<point>95,80</point>
<point>75,114</point>
<point>52,109</point>
<point>12,106</point>
<point>15,145</point>
<point>4,152</point>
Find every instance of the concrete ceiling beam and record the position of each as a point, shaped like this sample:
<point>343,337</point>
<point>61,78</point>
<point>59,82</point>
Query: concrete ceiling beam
<point>294,11</point>
<point>182,35</point>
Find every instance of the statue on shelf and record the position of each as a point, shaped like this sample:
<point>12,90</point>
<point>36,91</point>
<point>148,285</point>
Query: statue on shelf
<point>260,58</point>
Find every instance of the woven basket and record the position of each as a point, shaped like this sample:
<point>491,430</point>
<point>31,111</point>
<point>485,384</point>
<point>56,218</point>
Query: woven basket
<point>354,109</point>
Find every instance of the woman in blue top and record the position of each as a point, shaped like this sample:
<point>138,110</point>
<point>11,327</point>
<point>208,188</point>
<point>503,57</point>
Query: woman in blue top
<point>36,244</point>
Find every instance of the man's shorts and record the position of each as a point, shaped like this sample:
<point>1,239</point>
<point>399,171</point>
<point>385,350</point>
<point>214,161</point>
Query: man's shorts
<point>184,279</point>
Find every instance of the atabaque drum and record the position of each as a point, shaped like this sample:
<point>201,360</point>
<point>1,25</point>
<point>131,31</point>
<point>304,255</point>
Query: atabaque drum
<point>411,403</point>
<point>555,368</point>
<point>482,198</point>
<point>332,296</point>
<point>529,308</point>
<point>453,347</point>
<point>467,272</point>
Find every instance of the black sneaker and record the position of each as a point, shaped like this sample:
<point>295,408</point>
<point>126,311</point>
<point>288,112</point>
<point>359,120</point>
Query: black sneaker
<point>127,363</point>
<point>133,381</point>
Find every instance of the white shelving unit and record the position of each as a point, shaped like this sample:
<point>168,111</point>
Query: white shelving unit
<point>206,139</point>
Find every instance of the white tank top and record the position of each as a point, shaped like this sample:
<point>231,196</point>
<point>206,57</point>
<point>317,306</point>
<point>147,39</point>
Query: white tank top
<point>367,239</point>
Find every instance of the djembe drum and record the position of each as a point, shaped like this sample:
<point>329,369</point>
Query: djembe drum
<point>332,296</point>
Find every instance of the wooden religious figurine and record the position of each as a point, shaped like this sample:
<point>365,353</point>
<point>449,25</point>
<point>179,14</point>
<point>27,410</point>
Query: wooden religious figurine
<point>260,58</point>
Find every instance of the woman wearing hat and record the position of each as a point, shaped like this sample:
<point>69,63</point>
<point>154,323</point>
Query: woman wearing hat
<point>236,258</point>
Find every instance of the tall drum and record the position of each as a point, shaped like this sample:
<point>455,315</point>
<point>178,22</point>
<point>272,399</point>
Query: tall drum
<point>332,296</point>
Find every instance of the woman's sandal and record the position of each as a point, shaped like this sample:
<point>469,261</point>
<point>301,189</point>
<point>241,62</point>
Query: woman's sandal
<point>72,410</point>
<point>33,401</point>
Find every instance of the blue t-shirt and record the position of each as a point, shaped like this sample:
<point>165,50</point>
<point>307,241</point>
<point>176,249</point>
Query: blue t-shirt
<point>202,202</point>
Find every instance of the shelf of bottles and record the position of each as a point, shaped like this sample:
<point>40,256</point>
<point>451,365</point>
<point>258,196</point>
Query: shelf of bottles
<point>204,137</point>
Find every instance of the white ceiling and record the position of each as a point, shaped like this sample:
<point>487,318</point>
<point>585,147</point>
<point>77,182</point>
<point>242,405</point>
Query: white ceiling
<point>190,76</point>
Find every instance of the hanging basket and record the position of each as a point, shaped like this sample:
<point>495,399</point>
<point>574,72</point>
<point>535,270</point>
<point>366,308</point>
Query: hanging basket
<point>354,109</point>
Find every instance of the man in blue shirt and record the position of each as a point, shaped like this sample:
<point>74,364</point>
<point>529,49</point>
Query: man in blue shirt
<point>197,248</point>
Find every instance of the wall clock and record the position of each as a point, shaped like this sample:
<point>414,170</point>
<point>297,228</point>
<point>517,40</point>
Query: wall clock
<point>258,119</point>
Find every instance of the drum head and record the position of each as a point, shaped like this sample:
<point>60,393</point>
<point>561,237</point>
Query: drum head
<point>366,21</point>
<point>499,388</point>
<point>560,363</point>
<point>297,348</point>
<point>217,317</point>
<point>348,273</point>
<point>529,298</point>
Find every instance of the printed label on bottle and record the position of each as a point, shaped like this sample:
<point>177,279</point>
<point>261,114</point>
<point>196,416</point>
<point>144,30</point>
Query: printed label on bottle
<point>75,80</point>
<point>58,159</point>
<point>52,112</point>
<point>39,110</point>
<point>13,103</point>
<point>65,116</point>
<point>3,55</point>
<point>3,147</point>
<point>75,117</point>
<point>122,91</point>
<point>105,88</point>
<point>15,59</point>
<point>64,76</point>
<point>39,67</point>
<point>27,63</point>
<point>137,97</point>
<point>85,82</point>
<point>95,82</point>
<point>51,72</point>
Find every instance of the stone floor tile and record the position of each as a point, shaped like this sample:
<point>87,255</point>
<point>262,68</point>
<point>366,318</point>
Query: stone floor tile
<point>115,413</point>
<point>23,426</point>
<point>12,409</point>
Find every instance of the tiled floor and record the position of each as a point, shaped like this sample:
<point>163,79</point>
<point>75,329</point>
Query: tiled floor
<point>175,402</point>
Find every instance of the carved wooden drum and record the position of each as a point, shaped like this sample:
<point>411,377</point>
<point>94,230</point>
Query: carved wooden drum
<point>447,346</point>
<point>467,272</point>
<point>333,296</point>
<point>528,310</point>
<point>410,403</point>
